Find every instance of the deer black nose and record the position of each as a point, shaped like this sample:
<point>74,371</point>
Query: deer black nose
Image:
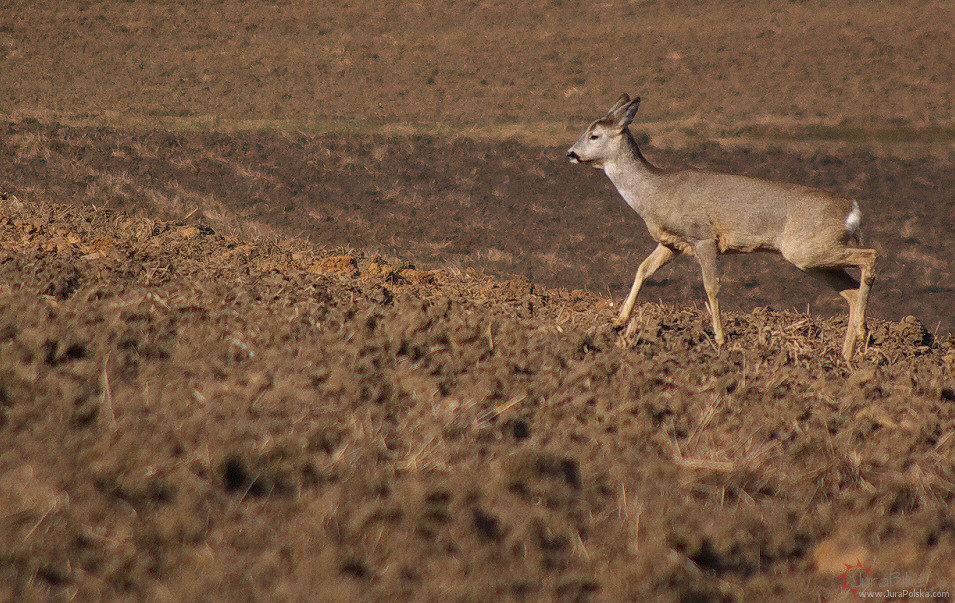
<point>573,156</point>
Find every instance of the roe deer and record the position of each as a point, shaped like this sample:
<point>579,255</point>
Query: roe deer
<point>707,214</point>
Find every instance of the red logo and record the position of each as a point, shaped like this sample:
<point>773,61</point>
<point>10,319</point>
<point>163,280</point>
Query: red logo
<point>857,583</point>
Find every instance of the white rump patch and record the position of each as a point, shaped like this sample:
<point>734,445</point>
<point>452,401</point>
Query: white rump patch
<point>854,219</point>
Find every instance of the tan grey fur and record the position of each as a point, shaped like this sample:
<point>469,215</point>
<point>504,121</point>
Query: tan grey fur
<point>707,214</point>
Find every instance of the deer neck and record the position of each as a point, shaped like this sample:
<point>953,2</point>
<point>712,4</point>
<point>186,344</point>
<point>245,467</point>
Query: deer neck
<point>636,179</point>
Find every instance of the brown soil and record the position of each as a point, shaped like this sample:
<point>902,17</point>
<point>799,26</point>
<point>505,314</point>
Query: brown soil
<point>310,362</point>
<point>501,207</point>
<point>484,63</point>
<point>187,415</point>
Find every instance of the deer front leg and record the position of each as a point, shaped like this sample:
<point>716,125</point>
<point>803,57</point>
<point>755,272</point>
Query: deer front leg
<point>708,254</point>
<point>660,256</point>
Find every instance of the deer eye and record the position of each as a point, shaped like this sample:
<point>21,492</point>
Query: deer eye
<point>594,136</point>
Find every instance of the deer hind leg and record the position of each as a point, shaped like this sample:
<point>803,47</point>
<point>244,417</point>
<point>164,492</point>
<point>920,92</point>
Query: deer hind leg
<point>707,252</point>
<point>657,258</point>
<point>865,259</point>
<point>848,288</point>
<point>855,292</point>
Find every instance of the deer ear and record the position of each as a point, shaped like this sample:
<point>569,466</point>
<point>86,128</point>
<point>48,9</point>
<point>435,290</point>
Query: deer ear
<point>632,110</point>
<point>623,115</point>
<point>623,100</point>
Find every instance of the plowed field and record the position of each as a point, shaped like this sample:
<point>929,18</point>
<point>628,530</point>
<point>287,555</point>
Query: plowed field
<point>303,303</point>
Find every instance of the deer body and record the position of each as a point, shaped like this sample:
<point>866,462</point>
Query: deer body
<point>707,214</point>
